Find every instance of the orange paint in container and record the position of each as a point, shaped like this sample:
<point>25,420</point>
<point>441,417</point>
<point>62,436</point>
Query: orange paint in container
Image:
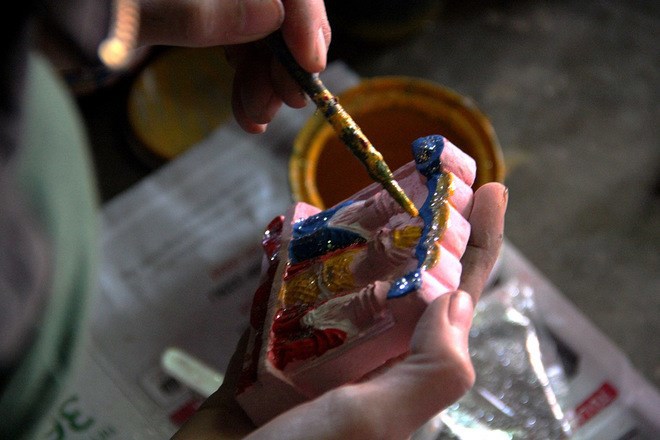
<point>392,112</point>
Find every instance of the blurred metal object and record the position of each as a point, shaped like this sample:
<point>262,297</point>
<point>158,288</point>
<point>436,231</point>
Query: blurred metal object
<point>520,377</point>
<point>117,50</point>
<point>191,371</point>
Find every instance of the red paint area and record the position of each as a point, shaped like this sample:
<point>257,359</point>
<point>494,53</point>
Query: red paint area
<point>595,403</point>
<point>271,243</point>
<point>313,343</point>
<point>291,341</point>
<point>183,413</point>
<point>272,238</point>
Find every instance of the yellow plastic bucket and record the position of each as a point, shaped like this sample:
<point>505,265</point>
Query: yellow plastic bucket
<point>392,112</point>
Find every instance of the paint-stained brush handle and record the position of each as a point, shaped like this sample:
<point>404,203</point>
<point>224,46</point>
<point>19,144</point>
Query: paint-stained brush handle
<point>348,131</point>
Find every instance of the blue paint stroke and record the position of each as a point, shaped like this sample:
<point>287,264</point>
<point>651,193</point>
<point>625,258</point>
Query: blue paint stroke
<point>313,238</point>
<point>427,152</point>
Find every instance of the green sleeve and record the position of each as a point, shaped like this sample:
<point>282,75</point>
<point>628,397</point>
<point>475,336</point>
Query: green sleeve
<point>55,175</point>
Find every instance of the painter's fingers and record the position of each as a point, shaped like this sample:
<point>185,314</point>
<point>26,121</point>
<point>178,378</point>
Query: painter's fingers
<point>456,235</point>
<point>461,196</point>
<point>290,91</point>
<point>206,23</point>
<point>256,89</point>
<point>220,416</point>
<point>458,162</point>
<point>306,31</point>
<point>447,270</point>
<point>240,113</point>
<point>436,373</point>
<point>487,220</point>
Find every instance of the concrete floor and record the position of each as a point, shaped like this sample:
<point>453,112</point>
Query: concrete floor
<point>572,91</point>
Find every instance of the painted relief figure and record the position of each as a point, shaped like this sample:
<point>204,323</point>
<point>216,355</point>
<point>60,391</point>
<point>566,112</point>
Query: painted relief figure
<point>342,289</point>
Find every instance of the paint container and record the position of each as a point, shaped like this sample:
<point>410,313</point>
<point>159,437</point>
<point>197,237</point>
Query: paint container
<point>392,112</point>
<point>178,99</point>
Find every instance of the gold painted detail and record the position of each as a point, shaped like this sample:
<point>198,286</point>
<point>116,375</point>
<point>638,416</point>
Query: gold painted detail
<point>302,289</point>
<point>440,210</point>
<point>406,237</point>
<point>336,274</point>
<point>333,275</point>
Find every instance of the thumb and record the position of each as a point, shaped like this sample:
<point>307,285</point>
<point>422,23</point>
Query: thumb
<point>438,370</point>
<point>436,373</point>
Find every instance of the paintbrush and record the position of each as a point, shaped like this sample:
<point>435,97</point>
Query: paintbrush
<point>349,132</point>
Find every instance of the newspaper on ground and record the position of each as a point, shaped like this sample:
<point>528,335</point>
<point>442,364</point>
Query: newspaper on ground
<point>181,259</point>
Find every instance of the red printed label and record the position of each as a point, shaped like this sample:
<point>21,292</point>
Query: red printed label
<point>595,403</point>
<point>183,413</point>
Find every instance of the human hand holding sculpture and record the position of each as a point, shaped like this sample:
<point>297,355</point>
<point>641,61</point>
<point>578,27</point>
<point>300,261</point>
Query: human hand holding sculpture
<point>396,399</point>
<point>260,84</point>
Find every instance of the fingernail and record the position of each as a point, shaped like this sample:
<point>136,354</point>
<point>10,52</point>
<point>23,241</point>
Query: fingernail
<point>321,47</point>
<point>261,16</point>
<point>460,309</point>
